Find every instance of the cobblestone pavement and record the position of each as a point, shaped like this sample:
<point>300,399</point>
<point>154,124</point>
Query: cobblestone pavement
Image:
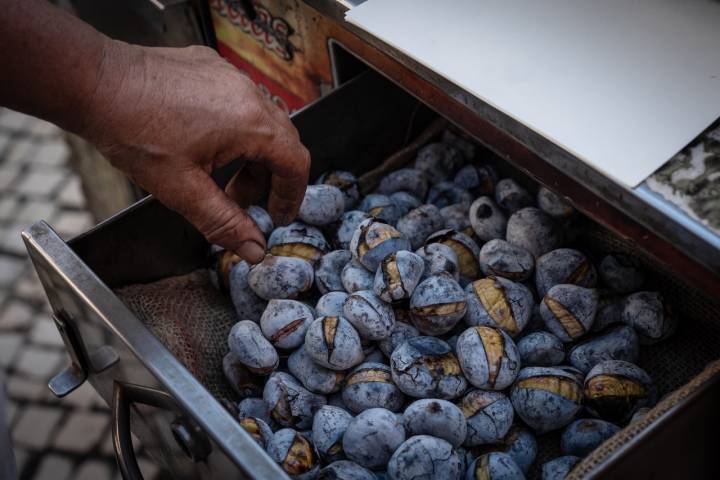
<point>53,439</point>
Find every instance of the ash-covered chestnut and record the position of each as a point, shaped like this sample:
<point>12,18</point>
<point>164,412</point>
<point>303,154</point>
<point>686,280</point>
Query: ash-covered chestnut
<point>457,140</point>
<point>330,304</point>
<point>382,208</point>
<point>373,318</point>
<point>488,357</point>
<point>285,322</point>
<point>489,416</point>
<point>298,240</point>
<point>446,193</point>
<point>405,201</point>
<point>241,380</point>
<point>437,304</point>
<point>328,428</point>
<point>438,258</point>
<point>262,219</point>
<point>295,454</point>
<point>247,304</point>
<point>355,277</point>
<point>333,343</point>
<point>374,240</point>
<point>609,312</point>
<point>375,355</point>
<point>546,398</point>
<point>371,437</point>
<point>312,375</point>
<point>541,349</point>
<point>438,161</point>
<point>521,445</point>
<point>464,247</point>
<point>478,179</point>
<point>322,205</point>
<point>423,456</point>
<point>345,470</point>
<point>419,223</point>
<point>503,259</point>
<point>554,205</point>
<point>439,418</point>
<point>559,468</point>
<point>564,265</point>
<point>221,261</point>
<point>398,275</point>
<point>499,302</point>
<point>426,367</point>
<point>348,223</point>
<point>258,429</point>
<point>511,196</point>
<point>583,436</point>
<point>621,273</point>
<point>494,466</point>
<point>615,389</point>
<point>456,217</point>
<point>400,332</point>
<point>569,311</point>
<point>534,230</point>
<point>410,180</point>
<point>257,408</point>
<point>280,277</point>
<point>346,182</point>
<point>487,220</point>
<point>370,385</point>
<point>328,272</point>
<point>252,349</point>
<point>617,343</point>
<point>649,316</point>
<point>291,404</point>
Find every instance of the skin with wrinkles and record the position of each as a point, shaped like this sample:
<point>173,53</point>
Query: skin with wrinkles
<point>166,117</point>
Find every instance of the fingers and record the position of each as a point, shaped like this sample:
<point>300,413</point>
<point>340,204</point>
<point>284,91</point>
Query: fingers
<point>194,195</point>
<point>289,162</point>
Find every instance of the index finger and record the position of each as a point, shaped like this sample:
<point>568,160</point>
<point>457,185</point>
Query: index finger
<point>289,162</point>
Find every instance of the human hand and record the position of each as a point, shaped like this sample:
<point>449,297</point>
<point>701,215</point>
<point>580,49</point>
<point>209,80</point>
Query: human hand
<point>168,117</point>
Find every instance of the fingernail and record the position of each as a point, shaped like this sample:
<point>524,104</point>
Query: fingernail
<point>251,251</point>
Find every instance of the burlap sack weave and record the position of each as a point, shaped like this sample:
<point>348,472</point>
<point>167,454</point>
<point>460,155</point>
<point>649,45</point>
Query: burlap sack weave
<point>193,320</point>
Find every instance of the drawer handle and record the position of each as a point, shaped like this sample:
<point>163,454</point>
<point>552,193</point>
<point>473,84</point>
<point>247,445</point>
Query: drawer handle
<point>189,437</point>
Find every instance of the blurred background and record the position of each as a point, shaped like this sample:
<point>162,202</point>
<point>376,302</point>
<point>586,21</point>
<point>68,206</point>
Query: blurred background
<point>53,439</point>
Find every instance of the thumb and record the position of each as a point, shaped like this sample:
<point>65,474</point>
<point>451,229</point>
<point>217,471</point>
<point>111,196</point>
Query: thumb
<point>196,196</point>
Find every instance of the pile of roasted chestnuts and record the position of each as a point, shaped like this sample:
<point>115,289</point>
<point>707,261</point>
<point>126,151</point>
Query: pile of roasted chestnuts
<point>432,328</point>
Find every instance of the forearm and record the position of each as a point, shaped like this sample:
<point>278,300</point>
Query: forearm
<point>52,62</point>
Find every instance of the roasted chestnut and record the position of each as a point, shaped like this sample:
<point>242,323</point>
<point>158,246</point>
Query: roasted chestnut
<point>489,416</point>
<point>280,277</point>
<point>438,161</point>
<point>423,456</point>
<point>398,275</point>
<point>419,223</point>
<point>498,302</point>
<point>583,436</point>
<point>649,316</point>
<point>488,357</point>
<point>285,322</point>
<point>464,247</point>
<point>564,266</point>
<point>534,230</point>
<point>346,182</point>
<point>333,343</point>
<point>503,259</point>
<point>328,272</point>
<point>511,196</point>
<point>312,375</point>
<point>615,390</point>
<point>617,343</point>
<point>251,348</point>
<point>328,428</point>
<point>374,240</point>
<point>439,418</point>
<point>494,466</point>
<point>569,311</point>
<point>541,349</point>
<point>322,205</point>
<point>291,405</point>
<point>437,304</point>
<point>298,240</point>
<point>370,385</point>
<point>410,180</point>
<point>372,437</point>
<point>295,454</point>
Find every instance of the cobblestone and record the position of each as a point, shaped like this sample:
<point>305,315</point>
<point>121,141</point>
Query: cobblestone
<point>54,439</point>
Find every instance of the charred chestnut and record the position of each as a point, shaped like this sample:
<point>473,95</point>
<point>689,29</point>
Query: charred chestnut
<point>262,219</point>
<point>554,205</point>
<point>373,318</point>
<point>438,161</point>
<point>559,467</point>
<point>615,389</point>
<point>291,405</point>
<point>437,304</point>
<point>295,454</point>
<point>503,259</point>
<point>488,357</point>
<point>330,304</point>
<point>438,258</point>
<point>419,223</point>
<point>478,179</point>
<point>370,385</point>
<point>355,277</point>
<point>486,218</point>
<point>425,367</point>
<point>546,398</point>
<point>410,180</point>
<point>511,196</point>
<point>312,375</point>
<point>649,316</point>
<point>494,466</point>
<point>618,343</point>
<point>498,302</point>
<point>464,247</point>
<point>285,322</point>
<point>621,273</point>
<point>374,240</point>
<point>534,230</point>
<point>346,182</point>
<point>423,456</point>
<point>489,416</point>
<point>280,277</point>
<point>298,240</point>
<point>564,266</point>
<point>328,428</point>
<point>583,436</point>
<point>345,470</point>
<point>398,275</point>
<point>252,349</point>
<point>382,208</point>
<point>241,380</point>
<point>400,332</point>
<point>541,349</point>
<point>322,205</point>
<point>349,221</point>
<point>444,194</point>
<point>569,311</point>
<point>247,304</point>
<point>372,437</point>
<point>439,418</point>
<point>328,272</point>
<point>258,429</point>
<point>333,343</point>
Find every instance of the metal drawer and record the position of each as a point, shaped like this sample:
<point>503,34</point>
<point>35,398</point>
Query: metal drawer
<point>183,426</point>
